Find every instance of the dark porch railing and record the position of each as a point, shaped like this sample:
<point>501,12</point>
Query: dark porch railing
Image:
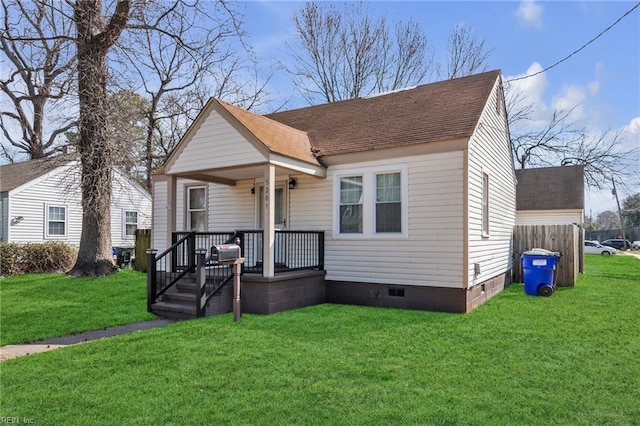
<point>293,251</point>
<point>191,252</point>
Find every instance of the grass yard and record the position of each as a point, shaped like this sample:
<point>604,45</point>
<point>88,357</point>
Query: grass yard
<point>573,358</point>
<point>37,306</point>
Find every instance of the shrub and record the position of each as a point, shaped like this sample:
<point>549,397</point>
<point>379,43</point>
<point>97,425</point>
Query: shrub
<point>36,258</point>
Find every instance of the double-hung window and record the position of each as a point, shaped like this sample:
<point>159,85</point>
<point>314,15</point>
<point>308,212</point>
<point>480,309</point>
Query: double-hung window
<point>371,202</point>
<point>130,223</point>
<point>56,221</point>
<point>351,204</point>
<point>388,203</point>
<point>196,208</point>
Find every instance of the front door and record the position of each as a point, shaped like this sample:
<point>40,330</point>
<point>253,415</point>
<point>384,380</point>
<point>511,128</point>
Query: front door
<point>280,208</point>
<point>280,219</point>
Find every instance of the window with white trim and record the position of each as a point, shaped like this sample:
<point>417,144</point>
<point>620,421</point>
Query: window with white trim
<point>351,204</point>
<point>56,221</point>
<point>388,203</point>
<point>130,222</point>
<point>370,202</point>
<point>197,208</point>
<point>485,204</point>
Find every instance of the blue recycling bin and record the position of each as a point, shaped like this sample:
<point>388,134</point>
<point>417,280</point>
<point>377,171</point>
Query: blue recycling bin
<point>538,267</point>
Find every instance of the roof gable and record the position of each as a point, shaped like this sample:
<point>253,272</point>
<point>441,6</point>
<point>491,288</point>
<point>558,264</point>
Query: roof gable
<point>277,137</point>
<point>441,111</point>
<point>15,175</point>
<point>550,188</point>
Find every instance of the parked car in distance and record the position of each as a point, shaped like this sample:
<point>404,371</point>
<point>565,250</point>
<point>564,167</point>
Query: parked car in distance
<point>635,245</point>
<point>617,243</point>
<point>593,247</point>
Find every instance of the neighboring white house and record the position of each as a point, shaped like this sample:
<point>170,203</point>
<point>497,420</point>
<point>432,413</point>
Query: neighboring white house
<point>40,200</point>
<point>414,191</point>
<point>550,196</point>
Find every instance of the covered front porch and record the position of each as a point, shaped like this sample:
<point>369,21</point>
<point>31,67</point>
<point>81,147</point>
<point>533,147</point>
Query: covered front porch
<point>185,282</point>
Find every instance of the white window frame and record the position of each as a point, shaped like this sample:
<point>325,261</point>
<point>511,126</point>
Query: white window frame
<point>485,204</point>
<point>125,223</point>
<point>188,210</point>
<point>369,174</point>
<point>46,222</point>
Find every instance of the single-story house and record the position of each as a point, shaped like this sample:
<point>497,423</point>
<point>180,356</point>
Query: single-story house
<point>405,199</point>
<point>40,200</point>
<point>550,196</point>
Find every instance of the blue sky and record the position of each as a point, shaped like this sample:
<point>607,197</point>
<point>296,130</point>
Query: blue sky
<point>527,36</point>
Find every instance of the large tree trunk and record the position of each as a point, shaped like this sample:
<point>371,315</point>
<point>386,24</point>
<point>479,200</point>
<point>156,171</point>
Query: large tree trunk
<point>96,152</point>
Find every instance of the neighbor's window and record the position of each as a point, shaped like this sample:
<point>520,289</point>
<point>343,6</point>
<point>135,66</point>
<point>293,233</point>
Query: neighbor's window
<point>130,223</point>
<point>56,221</point>
<point>196,208</point>
<point>388,203</point>
<point>485,204</point>
<point>351,204</point>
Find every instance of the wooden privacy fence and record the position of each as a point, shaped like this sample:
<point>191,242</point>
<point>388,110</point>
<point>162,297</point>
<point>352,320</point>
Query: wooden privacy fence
<point>143,242</point>
<point>566,239</point>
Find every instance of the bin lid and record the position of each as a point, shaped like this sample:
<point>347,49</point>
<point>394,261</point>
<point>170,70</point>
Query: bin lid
<point>541,252</point>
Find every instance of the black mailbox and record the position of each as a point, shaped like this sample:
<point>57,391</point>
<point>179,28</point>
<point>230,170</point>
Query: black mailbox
<point>225,252</point>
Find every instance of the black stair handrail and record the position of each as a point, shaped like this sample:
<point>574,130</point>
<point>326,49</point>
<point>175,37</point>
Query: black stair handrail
<point>212,283</point>
<point>153,292</point>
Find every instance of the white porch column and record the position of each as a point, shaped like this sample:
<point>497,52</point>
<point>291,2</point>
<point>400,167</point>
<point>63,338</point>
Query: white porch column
<point>269,220</point>
<point>171,213</point>
<point>171,207</point>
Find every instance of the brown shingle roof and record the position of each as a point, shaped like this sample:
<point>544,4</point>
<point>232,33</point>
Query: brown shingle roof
<point>16,174</point>
<point>439,111</point>
<point>550,188</point>
<point>277,137</point>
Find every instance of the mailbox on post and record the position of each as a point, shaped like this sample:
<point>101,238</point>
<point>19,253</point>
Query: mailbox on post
<point>225,253</point>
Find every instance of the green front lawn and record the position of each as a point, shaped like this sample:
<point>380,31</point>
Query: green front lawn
<point>37,306</point>
<point>573,358</point>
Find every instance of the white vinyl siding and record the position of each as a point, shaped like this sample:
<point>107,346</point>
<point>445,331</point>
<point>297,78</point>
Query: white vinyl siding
<point>232,207</point>
<point>431,252</point>
<point>215,137</point>
<point>128,196</point>
<point>549,217</point>
<point>60,188</point>
<point>489,154</point>
<point>57,188</point>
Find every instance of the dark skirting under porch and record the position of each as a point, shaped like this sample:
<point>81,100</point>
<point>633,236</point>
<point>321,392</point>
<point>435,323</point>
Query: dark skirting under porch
<point>285,291</point>
<point>441,299</point>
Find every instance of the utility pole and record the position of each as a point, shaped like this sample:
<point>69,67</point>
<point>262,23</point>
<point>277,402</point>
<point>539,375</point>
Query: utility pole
<point>624,238</point>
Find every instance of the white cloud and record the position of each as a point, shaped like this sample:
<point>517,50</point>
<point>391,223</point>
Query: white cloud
<point>634,127</point>
<point>529,14</point>
<point>529,91</point>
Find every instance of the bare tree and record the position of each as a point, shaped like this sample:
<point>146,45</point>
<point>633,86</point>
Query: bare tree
<point>342,53</point>
<point>37,45</point>
<point>466,53</point>
<point>93,40</point>
<point>560,140</point>
<point>178,78</point>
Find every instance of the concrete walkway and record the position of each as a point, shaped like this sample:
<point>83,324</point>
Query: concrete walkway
<point>15,351</point>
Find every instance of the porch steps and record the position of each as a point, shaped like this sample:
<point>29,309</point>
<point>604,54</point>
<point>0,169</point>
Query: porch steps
<point>179,302</point>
